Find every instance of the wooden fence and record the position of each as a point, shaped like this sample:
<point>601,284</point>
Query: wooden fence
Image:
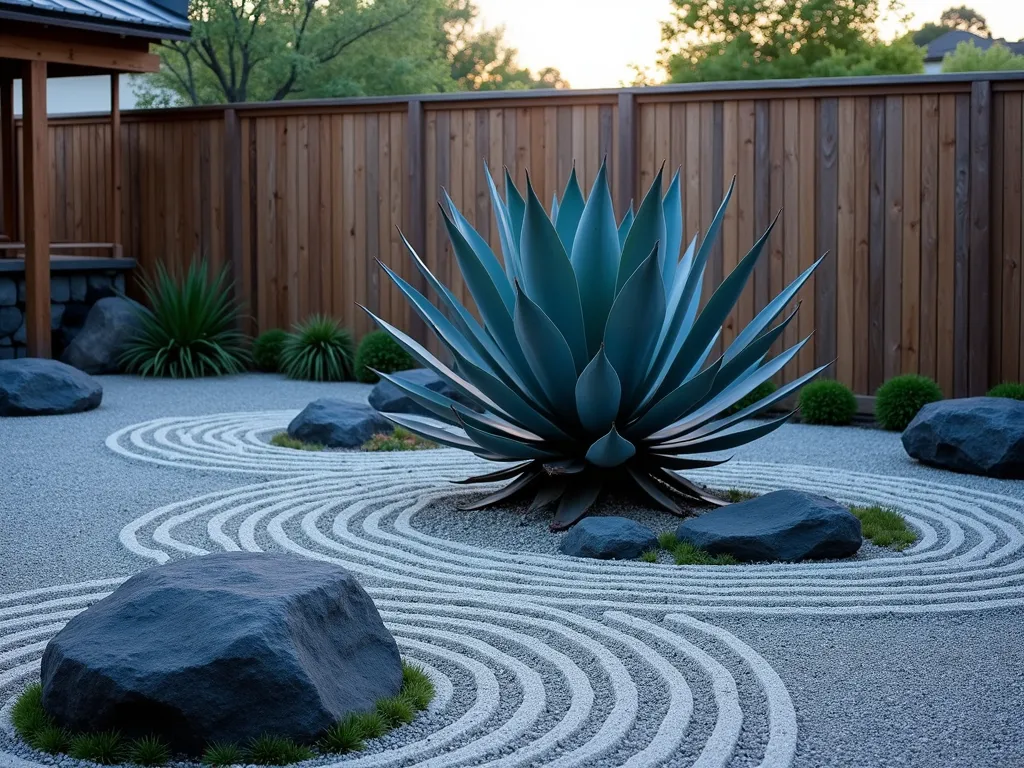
<point>912,184</point>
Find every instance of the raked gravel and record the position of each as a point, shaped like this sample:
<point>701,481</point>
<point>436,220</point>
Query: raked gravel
<point>899,686</point>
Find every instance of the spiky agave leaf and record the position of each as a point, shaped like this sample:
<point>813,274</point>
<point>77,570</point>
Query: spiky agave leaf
<point>593,361</point>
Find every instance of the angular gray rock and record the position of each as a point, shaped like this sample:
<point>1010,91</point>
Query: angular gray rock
<point>109,325</point>
<point>224,647</point>
<point>8,292</point>
<point>785,526</point>
<point>34,387</point>
<point>608,538</point>
<point>976,435</point>
<point>337,423</point>
<point>388,398</point>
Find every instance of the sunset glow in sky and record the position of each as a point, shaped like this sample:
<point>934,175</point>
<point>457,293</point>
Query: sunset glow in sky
<point>593,42</point>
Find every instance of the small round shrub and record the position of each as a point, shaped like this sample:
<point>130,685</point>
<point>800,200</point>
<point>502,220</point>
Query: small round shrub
<point>1010,389</point>
<point>827,402</point>
<point>379,351</point>
<point>759,392</point>
<point>266,350</point>
<point>900,398</point>
<point>319,349</point>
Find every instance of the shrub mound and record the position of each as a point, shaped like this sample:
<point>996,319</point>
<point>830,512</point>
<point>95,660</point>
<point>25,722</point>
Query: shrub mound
<point>900,398</point>
<point>266,350</point>
<point>1009,389</point>
<point>319,349</point>
<point>827,402</point>
<point>380,352</point>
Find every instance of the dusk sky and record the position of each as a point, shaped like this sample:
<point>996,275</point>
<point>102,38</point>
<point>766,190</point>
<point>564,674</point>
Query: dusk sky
<point>593,42</point>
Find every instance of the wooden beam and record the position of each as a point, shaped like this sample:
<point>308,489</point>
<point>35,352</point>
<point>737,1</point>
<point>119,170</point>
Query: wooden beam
<point>233,204</point>
<point>8,159</point>
<point>979,240</point>
<point>83,54</point>
<point>415,201</point>
<point>626,172</point>
<point>37,210</point>
<point>115,165</point>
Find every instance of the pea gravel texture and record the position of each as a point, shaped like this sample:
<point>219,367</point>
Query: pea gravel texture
<point>914,660</point>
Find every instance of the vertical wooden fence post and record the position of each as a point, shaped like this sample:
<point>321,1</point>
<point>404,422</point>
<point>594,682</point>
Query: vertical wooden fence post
<point>37,210</point>
<point>233,212</point>
<point>627,152</point>
<point>115,165</point>
<point>979,333</point>
<point>416,212</point>
<point>8,159</point>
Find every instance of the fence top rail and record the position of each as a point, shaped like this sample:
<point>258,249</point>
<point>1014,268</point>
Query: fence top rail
<point>805,87</point>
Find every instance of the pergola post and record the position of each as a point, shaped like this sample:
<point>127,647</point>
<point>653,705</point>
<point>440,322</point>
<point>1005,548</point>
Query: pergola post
<point>37,210</point>
<point>115,166</point>
<point>8,158</point>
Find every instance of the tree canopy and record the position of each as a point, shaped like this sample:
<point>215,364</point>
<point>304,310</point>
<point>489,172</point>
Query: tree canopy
<point>970,58</point>
<point>707,40</point>
<point>960,17</point>
<point>268,50</point>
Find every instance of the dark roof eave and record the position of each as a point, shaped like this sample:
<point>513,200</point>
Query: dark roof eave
<point>94,24</point>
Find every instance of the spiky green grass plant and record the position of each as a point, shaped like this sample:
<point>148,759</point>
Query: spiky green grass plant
<point>371,724</point>
<point>684,553</point>
<point>396,710</point>
<point>276,750</point>
<point>51,739</point>
<point>221,754</point>
<point>190,328</point>
<point>344,736</point>
<point>103,747</point>
<point>27,714</point>
<point>593,363</point>
<point>650,556</point>
<point>417,686</point>
<point>319,349</point>
<point>149,750</point>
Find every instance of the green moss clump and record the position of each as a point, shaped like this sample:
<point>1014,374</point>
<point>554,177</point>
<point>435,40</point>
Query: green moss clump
<point>284,440</point>
<point>378,351</point>
<point>827,402</point>
<point>900,398</point>
<point>685,553</point>
<point>1009,389</point>
<point>399,440</point>
<point>266,350</point>
<point>650,556</point>
<point>885,527</point>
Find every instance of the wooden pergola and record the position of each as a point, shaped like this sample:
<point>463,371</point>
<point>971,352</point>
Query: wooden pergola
<point>40,39</point>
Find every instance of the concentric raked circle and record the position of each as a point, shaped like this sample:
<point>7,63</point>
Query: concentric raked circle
<point>545,686</point>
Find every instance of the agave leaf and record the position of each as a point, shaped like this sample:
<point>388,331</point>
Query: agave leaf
<point>678,318</point>
<point>554,206</point>
<point>723,441</point>
<point>676,403</point>
<point>633,325</point>
<point>510,491</point>
<point>565,467</point>
<point>425,429</point>
<point>509,240</point>
<point>549,492</point>
<point>595,259</point>
<point>501,474</point>
<point>673,213</point>
<point>478,279</point>
<point>653,491</point>
<point>505,446</point>
<point>677,462</point>
<point>647,231</point>
<point>681,485</point>
<point>548,277</point>
<point>611,450</point>
<point>483,253</point>
<point>598,394</point>
<point>625,224</point>
<point>547,353</point>
<point>516,206</point>
<point>576,501</point>
<point>492,425</point>
<point>436,403</point>
<point>567,216</point>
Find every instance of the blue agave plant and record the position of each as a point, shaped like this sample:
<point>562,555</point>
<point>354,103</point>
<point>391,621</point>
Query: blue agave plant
<point>590,362</point>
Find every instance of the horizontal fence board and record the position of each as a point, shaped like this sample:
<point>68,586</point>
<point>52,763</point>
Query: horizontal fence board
<point>913,186</point>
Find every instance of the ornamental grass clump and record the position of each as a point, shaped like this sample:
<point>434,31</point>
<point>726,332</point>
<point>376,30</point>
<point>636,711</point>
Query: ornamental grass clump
<point>190,328</point>
<point>319,349</point>
<point>593,363</point>
<point>379,352</point>
<point>901,397</point>
<point>827,402</point>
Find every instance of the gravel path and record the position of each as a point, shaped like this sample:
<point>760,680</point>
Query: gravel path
<point>891,660</point>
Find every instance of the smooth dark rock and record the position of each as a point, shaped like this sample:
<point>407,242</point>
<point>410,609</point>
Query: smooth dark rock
<point>224,647</point>
<point>110,324</point>
<point>10,320</point>
<point>35,387</point>
<point>60,289</point>
<point>608,538</point>
<point>99,287</point>
<point>56,315</point>
<point>780,526</point>
<point>337,423</point>
<point>977,435</point>
<point>8,292</point>
<point>388,398</point>
<point>21,335</point>
<point>78,287</point>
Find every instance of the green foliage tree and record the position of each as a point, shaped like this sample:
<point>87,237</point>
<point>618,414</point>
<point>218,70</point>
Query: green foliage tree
<point>960,17</point>
<point>258,50</point>
<point>707,40</point>
<point>970,58</point>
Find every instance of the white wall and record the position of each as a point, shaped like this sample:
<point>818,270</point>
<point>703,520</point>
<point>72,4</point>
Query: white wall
<point>932,67</point>
<point>75,95</point>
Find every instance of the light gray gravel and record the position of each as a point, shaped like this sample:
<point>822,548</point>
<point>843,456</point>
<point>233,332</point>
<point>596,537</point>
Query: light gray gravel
<point>930,691</point>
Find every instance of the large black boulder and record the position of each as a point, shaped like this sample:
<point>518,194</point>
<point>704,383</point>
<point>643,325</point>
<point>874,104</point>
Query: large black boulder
<point>110,324</point>
<point>978,435</point>
<point>608,538</point>
<point>35,387</point>
<point>337,423</point>
<point>388,398</point>
<point>222,648</point>
<point>780,526</point>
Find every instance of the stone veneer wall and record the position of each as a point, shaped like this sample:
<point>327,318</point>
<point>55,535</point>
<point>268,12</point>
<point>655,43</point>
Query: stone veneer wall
<point>72,294</point>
